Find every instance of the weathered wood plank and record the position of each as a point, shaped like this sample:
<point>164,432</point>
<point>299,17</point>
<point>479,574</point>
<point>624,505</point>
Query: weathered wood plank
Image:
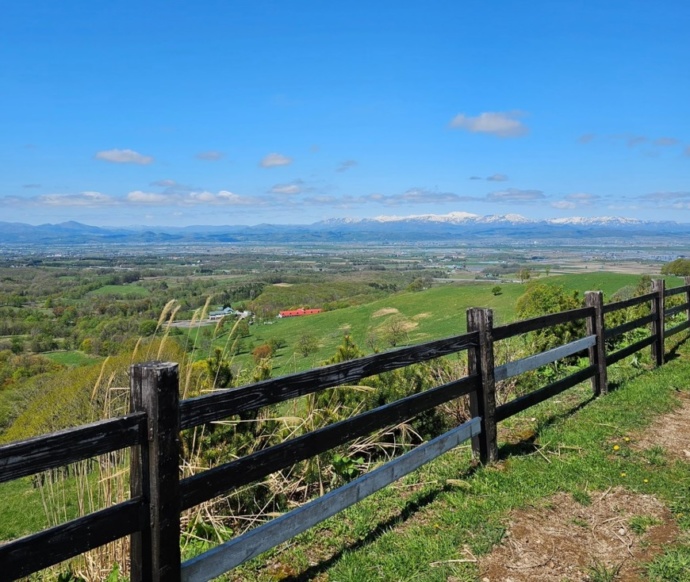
<point>542,359</point>
<point>536,323</point>
<point>658,309</point>
<point>480,361</point>
<point>618,305</point>
<point>629,350</point>
<point>216,481</point>
<point>42,453</point>
<point>155,386</point>
<point>225,403</point>
<point>523,402</point>
<point>676,309</point>
<point>678,328</point>
<point>676,290</point>
<point>234,552</point>
<point>597,352</point>
<point>44,549</point>
<point>629,326</point>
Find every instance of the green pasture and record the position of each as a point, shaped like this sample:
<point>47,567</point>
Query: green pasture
<point>72,358</point>
<point>431,314</point>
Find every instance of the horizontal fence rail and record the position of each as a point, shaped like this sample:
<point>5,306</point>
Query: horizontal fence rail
<point>158,496</point>
<point>69,446</point>
<point>226,556</point>
<point>225,403</point>
<point>214,482</point>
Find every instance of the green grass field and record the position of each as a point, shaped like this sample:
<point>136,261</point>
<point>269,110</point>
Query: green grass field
<point>432,314</point>
<point>72,358</point>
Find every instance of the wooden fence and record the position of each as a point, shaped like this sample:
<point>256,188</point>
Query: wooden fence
<point>158,496</point>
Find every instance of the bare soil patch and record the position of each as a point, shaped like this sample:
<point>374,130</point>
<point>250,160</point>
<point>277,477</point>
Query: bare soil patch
<point>385,311</point>
<point>566,540</point>
<point>671,431</point>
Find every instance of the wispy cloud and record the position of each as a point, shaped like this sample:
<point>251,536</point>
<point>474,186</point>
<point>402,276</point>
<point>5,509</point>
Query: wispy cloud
<point>665,141</point>
<point>575,200</point>
<point>635,140</point>
<point>586,137</point>
<point>291,188</point>
<point>563,205</point>
<point>274,160</point>
<point>666,196</point>
<point>583,198</point>
<point>210,156</point>
<point>196,198</point>
<point>138,196</point>
<point>497,178</point>
<point>346,165</point>
<point>81,199</point>
<point>31,186</point>
<point>515,195</point>
<point>116,156</point>
<point>499,124</point>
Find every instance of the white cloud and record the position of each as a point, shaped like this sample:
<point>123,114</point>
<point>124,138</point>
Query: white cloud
<point>493,123</point>
<point>515,195</point>
<point>497,178</point>
<point>582,198</point>
<point>294,187</point>
<point>273,160</point>
<point>564,205</point>
<point>116,156</point>
<point>210,156</point>
<point>139,197</point>
<point>222,198</point>
<point>82,199</point>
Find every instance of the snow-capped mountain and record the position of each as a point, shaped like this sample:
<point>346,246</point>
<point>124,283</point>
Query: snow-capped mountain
<point>455,226</point>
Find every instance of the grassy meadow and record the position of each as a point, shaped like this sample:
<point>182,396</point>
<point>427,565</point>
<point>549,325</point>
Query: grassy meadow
<point>425,315</point>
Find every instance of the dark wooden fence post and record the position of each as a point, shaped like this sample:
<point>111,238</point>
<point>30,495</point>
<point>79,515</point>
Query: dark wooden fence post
<point>597,353</point>
<point>686,281</point>
<point>658,306</point>
<point>155,553</point>
<point>483,401</point>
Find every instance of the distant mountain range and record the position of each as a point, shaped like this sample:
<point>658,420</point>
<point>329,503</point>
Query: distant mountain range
<point>426,227</point>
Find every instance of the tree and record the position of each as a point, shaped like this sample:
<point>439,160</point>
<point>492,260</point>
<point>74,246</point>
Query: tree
<point>541,299</point>
<point>679,267</point>
<point>524,274</point>
<point>395,330</point>
<point>306,345</point>
<point>346,351</point>
<point>262,352</point>
<point>219,370</point>
<point>496,290</point>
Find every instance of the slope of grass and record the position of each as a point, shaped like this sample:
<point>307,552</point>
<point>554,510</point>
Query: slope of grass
<point>432,314</point>
<point>448,511</point>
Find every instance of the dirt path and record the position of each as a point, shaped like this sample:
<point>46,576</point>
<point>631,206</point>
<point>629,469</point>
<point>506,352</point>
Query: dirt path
<point>610,533</point>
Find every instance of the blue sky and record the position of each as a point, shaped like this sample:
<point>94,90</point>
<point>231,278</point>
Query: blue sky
<point>247,112</point>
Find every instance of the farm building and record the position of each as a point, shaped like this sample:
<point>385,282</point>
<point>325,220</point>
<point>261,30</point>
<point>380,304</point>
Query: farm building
<point>298,312</point>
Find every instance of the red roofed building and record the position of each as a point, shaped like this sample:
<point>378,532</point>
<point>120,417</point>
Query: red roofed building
<point>298,312</point>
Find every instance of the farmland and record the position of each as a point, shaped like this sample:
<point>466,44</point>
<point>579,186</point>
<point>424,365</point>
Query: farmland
<point>73,325</point>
